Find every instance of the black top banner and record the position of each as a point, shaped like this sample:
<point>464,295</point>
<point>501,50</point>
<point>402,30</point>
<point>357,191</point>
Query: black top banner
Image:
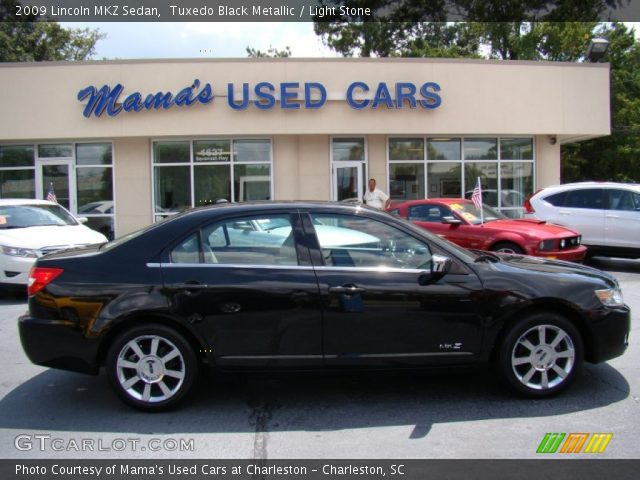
<point>318,10</point>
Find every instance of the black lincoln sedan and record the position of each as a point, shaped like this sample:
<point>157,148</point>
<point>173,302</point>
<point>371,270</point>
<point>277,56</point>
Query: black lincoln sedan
<point>306,285</point>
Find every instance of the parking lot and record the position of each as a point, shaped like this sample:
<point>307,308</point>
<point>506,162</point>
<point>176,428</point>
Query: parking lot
<point>46,413</point>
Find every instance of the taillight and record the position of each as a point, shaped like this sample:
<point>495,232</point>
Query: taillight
<point>528,208</point>
<point>40,277</point>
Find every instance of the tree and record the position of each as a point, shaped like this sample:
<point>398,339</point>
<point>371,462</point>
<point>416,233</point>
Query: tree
<point>29,38</point>
<point>272,52</point>
<point>616,157</point>
<point>509,28</point>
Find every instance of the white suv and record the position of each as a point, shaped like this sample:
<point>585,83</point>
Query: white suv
<point>606,214</point>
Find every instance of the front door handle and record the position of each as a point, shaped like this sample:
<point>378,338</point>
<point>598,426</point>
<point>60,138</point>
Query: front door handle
<point>190,286</point>
<point>347,289</point>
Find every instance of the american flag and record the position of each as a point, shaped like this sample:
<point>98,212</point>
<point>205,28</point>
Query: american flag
<point>51,195</point>
<point>476,198</point>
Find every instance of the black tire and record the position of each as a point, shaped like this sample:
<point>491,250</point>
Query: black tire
<point>507,247</point>
<point>164,376</point>
<point>525,370</point>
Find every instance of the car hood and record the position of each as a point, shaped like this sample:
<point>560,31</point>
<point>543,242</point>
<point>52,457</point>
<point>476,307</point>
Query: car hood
<point>50,236</point>
<point>558,267</point>
<point>533,227</point>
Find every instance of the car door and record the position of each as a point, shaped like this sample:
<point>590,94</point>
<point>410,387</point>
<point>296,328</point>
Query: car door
<point>622,218</point>
<point>583,211</point>
<point>378,308</point>
<point>248,287</point>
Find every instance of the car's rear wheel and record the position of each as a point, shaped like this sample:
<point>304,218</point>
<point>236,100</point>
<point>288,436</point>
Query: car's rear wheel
<point>507,247</point>
<point>541,355</point>
<point>151,367</point>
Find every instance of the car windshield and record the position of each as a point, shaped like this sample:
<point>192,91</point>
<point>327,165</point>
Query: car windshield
<point>471,214</point>
<point>23,216</point>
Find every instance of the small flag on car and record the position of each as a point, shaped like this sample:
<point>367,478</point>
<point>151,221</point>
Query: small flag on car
<point>476,198</point>
<point>51,195</point>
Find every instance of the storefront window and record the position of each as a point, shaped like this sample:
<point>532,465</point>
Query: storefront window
<point>252,182</point>
<point>406,149</point>
<point>480,148</point>
<point>94,154</point>
<point>347,149</point>
<point>211,182</point>
<point>16,156</point>
<point>488,173</point>
<point>406,181</point>
<point>252,150</point>
<point>516,149</point>
<point>171,152</point>
<point>17,184</point>
<point>172,188</point>
<point>64,150</point>
<point>212,151</point>
<point>94,186</point>
<point>233,169</point>
<point>516,182</point>
<point>444,179</point>
<point>17,172</point>
<point>505,167</point>
<point>443,149</point>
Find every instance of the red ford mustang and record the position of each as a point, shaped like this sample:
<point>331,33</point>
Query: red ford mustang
<point>459,221</point>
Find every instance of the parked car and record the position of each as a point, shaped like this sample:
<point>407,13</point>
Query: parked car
<point>373,291</point>
<point>30,229</point>
<point>606,214</point>
<point>459,221</point>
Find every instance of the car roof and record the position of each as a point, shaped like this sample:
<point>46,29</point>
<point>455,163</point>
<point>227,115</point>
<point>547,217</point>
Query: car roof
<point>423,201</point>
<point>24,201</point>
<point>630,186</point>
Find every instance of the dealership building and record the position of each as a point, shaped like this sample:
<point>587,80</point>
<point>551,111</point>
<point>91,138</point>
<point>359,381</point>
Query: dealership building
<point>126,143</point>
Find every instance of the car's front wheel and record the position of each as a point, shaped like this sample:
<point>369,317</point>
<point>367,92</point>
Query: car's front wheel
<point>541,355</point>
<point>151,367</point>
<point>507,247</point>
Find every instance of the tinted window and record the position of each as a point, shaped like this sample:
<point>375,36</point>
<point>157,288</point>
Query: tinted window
<point>585,198</point>
<point>257,240</point>
<point>428,213</point>
<point>557,200</point>
<point>624,200</point>
<point>352,241</point>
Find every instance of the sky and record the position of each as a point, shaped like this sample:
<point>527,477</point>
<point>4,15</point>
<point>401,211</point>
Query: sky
<point>128,40</point>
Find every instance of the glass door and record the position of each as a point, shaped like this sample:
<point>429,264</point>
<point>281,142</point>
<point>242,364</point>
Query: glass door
<point>55,178</point>
<point>348,181</point>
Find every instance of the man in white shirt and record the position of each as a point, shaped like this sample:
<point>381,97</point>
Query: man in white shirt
<point>375,197</point>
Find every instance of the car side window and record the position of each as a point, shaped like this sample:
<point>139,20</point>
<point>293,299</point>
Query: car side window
<point>187,251</point>
<point>354,241</point>
<point>428,213</point>
<point>254,240</point>
<point>557,199</point>
<point>592,198</point>
<point>624,200</point>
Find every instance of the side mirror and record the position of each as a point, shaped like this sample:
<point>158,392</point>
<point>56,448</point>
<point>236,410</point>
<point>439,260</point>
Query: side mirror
<point>82,220</point>
<point>440,266</point>
<point>451,220</point>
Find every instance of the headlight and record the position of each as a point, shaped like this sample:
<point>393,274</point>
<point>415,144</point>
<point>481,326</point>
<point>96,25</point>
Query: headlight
<point>611,297</point>
<point>18,252</point>
<point>547,245</point>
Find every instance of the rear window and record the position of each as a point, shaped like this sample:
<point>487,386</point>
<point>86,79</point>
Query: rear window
<point>592,198</point>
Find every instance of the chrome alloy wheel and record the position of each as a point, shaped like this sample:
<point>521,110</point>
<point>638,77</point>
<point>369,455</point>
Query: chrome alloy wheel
<point>543,357</point>
<point>150,368</point>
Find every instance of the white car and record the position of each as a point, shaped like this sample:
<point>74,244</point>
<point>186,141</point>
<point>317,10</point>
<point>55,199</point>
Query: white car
<point>607,214</point>
<point>32,228</point>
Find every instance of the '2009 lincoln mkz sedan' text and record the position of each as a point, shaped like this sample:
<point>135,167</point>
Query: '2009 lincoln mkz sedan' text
<point>307,285</point>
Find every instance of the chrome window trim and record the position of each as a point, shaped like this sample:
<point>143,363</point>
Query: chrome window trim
<point>290,267</point>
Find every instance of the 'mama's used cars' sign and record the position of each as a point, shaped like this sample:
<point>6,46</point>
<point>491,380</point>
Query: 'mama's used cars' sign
<point>262,95</point>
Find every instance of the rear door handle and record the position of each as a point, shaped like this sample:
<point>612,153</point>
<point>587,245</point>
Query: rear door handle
<point>190,286</point>
<point>347,289</point>
<point>613,216</point>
